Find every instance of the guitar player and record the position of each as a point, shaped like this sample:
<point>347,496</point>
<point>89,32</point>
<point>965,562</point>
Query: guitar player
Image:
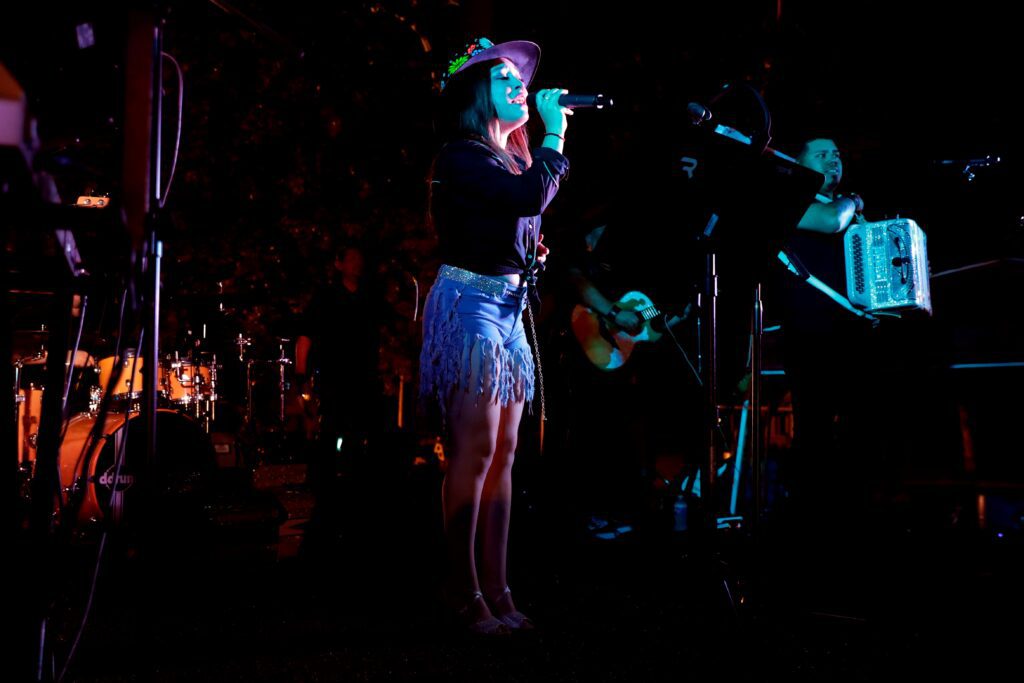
<point>593,298</point>
<point>615,418</point>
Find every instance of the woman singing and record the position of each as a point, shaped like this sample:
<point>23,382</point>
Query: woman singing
<point>487,193</point>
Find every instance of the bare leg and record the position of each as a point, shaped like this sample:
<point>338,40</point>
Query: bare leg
<point>473,424</point>
<point>495,511</point>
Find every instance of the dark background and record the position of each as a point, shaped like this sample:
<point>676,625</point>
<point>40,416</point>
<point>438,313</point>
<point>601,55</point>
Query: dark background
<point>308,126</point>
<point>298,115</point>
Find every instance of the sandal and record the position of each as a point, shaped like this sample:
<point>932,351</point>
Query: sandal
<point>515,620</point>
<point>489,626</point>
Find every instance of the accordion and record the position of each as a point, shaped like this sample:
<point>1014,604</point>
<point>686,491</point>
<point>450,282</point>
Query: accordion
<point>887,266</point>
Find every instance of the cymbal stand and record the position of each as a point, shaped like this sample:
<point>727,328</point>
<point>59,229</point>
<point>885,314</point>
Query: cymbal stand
<point>282,385</point>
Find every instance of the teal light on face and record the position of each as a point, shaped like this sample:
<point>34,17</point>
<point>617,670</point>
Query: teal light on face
<point>337,445</point>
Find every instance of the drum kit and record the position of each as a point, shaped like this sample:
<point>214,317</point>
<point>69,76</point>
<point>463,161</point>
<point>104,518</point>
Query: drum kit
<point>110,390</point>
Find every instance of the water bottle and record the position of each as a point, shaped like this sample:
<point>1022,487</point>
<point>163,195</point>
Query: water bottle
<point>679,514</point>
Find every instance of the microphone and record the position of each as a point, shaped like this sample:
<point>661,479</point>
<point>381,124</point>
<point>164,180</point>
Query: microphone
<point>698,113</point>
<point>574,101</point>
<point>984,162</point>
<point>969,166</point>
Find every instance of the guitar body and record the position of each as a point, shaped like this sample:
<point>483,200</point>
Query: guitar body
<point>607,346</point>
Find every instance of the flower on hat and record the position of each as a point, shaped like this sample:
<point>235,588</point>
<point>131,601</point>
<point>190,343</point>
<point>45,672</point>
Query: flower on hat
<point>457,62</point>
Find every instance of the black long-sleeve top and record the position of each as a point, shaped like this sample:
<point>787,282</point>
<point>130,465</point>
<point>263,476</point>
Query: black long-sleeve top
<point>488,218</point>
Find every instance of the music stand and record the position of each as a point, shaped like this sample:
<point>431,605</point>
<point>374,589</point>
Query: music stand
<point>746,201</point>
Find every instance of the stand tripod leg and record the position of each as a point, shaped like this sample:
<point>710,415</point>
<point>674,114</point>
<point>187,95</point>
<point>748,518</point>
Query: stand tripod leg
<point>756,331</point>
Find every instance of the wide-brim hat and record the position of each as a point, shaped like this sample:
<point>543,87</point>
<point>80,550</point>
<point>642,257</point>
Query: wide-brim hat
<point>524,54</point>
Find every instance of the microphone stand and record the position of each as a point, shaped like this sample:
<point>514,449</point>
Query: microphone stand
<point>777,191</point>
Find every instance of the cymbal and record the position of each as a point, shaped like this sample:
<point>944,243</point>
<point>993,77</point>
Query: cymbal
<point>83,359</point>
<point>41,334</point>
<point>37,358</point>
<point>35,338</point>
<point>28,343</point>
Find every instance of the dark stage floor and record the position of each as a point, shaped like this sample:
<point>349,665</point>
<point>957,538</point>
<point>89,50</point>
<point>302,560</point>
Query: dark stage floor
<point>347,591</point>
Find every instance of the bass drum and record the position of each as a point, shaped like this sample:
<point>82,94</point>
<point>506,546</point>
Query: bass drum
<point>91,480</point>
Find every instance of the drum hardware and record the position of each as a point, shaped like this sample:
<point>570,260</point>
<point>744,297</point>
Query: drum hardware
<point>18,396</point>
<point>248,391</point>
<point>242,343</point>
<point>282,362</point>
<point>213,377</point>
<point>206,409</point>
<point>95,398</point>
